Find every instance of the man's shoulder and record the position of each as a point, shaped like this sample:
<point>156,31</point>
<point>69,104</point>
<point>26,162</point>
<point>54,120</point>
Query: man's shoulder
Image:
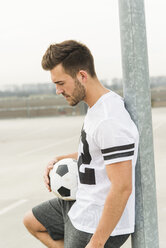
<point>107,106</point>
<point>110,108</point>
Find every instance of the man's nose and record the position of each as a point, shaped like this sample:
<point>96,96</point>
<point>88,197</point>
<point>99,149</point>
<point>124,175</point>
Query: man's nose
<point>59,90</point>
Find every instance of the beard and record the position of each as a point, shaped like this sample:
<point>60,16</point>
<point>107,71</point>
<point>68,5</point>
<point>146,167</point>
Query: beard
<point>78,94</point>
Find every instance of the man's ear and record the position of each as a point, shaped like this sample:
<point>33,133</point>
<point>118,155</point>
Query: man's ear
<point>82,76</point>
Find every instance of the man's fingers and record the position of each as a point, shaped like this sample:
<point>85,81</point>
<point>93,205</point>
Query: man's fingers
<point>48,187</point>
<point>47,184</point>
<point>49,167</point>
<point>47,171</point>
<point>52,162</point>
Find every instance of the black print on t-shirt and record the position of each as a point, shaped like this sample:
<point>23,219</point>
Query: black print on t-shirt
<point>88,177</point>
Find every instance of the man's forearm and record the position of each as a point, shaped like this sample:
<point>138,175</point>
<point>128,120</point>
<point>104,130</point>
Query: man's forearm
<point>113,209</point>
<point>72,155</point>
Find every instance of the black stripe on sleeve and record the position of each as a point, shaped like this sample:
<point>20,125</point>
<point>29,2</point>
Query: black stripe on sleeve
<point>119,155</point>
<point>117,148</point>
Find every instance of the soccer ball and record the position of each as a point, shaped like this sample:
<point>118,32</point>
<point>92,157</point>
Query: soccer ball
<point>63,179</point>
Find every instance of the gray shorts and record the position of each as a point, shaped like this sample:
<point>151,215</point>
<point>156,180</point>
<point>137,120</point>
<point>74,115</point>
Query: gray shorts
<point>53,216</point>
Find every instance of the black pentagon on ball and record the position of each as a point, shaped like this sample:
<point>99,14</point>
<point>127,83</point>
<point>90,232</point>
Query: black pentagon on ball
<point>64,191</point>
<point>62,170</point>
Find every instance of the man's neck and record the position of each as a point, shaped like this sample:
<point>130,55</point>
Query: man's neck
<point>94,91</point>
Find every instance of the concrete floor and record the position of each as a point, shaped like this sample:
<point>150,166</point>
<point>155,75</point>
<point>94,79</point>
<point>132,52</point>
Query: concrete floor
<point>26,145</point>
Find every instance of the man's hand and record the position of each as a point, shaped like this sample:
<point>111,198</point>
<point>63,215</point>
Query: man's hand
<point>47,171</point>
<point>92,245</point>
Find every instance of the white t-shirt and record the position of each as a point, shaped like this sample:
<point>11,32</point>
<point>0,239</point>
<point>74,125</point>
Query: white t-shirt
<point>108,136</point>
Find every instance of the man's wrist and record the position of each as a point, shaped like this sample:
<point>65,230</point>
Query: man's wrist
<point>97,242</point>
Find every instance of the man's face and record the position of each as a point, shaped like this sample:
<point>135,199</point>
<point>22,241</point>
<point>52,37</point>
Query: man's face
<point>70,88</point>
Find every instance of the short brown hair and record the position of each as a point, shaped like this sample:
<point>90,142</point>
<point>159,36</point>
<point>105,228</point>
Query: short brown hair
<point>73,56</point>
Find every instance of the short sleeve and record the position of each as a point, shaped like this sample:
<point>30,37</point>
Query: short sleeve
<point>116,140</point>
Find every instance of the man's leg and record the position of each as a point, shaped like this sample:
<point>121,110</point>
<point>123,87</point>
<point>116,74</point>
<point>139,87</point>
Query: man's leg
<point>40,232</point>
<point>46,223</point>
<point>78,239</point>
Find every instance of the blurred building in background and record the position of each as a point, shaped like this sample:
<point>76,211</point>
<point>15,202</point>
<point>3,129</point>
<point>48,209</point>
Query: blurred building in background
<point>40,99</point>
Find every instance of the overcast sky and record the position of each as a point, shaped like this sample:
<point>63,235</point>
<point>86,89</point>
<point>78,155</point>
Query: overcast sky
<point>28,27</point>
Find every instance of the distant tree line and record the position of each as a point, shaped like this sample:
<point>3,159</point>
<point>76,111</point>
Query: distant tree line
<point>26,90</point>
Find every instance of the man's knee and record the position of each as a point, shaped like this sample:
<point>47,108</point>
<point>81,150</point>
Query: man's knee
<point>32,224</point>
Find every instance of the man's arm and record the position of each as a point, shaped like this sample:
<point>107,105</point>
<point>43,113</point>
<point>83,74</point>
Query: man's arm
<point>72,155</point>
<point>120,175</point>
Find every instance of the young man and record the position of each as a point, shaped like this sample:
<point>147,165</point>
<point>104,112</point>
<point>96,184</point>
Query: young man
<point>103,213</point>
